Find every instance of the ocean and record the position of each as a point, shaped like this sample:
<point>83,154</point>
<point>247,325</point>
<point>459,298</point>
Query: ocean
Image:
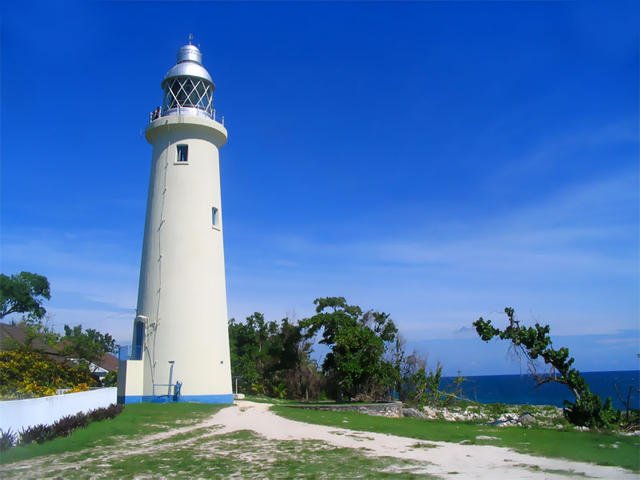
<point>522,389</point>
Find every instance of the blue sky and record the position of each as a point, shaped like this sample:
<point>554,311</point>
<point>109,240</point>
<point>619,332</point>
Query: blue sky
<point>437,161</point>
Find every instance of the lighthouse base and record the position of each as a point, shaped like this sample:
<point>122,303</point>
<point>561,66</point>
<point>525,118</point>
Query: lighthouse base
<point>130,388</point>
<point>218,398</point>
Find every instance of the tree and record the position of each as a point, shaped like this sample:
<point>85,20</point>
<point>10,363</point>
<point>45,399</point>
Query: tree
<point>248,352</point>
<point>534,342</point>
<point>89,346</point>
<point>420,385</point>
<point>272,358</point>
<point>24,293</point>
<point>356,365</point>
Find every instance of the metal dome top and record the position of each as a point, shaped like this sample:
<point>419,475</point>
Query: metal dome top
<point>189,64</point>
<point>188,53</point>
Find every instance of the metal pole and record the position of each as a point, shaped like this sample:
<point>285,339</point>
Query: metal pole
<point>171,362</point>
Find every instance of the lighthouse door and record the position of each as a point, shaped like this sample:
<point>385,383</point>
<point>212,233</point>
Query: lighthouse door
<point>138,341</point>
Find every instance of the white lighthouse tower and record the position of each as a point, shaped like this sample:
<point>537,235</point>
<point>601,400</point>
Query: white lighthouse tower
<point>180,335</point>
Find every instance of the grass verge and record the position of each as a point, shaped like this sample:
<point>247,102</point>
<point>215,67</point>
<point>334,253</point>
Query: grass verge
<point>136,420</point>
<point>592,447</point>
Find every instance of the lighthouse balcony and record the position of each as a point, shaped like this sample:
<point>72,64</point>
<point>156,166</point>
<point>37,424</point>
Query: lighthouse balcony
<point>187,111</point>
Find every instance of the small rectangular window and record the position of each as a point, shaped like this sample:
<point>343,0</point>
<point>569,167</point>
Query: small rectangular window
<point>183,154</point>
<point>214,216</point>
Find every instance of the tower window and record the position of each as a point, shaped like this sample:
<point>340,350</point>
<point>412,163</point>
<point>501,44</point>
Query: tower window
<point>214,217</point>
<point>183,154</point>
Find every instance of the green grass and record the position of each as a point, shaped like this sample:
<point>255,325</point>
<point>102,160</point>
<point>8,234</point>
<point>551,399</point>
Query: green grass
<point>121,448</point>
<point>246,455</point>
<point>285,401</point>
<point>135,420</point>
<point>593,447</point>
<point>265,399</point>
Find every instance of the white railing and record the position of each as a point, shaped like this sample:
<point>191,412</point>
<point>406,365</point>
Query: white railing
<point>162,112</point>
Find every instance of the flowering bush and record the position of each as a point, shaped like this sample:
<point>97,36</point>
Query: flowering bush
<point>28,374</point>
<point>81,387</point>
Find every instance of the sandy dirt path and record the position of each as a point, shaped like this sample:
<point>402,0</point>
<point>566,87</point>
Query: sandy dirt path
<point>468,461</point>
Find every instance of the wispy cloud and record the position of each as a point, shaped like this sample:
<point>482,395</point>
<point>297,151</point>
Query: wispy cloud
<point>540,158</point>
<point>572,258</point>
<point>93,275</point>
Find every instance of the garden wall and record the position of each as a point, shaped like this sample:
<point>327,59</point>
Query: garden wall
<point>18,414</point>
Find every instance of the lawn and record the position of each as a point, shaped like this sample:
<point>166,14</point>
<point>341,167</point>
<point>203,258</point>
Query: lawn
<point>129,447</point>
<point>169,441</point>
<point>136,420</point>
<point>601,448</point>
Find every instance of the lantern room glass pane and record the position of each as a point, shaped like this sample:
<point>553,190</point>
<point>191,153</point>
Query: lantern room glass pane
<point>187,92</point>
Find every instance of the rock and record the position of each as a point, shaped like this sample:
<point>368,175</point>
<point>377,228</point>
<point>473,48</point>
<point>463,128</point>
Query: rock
<point>526,419</point>
<point>412,412</point>
<point>506,420</point>
<point>430,412</point>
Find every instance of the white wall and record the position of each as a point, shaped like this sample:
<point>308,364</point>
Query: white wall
<point>18,414</point>
<point>133,375</point>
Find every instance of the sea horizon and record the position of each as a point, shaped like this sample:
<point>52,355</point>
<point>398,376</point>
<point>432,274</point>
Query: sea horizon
<point>622,386</point>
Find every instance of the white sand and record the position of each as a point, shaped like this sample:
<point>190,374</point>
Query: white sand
<point>467,461</point>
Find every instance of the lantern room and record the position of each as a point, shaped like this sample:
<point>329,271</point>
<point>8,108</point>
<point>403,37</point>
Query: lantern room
<point>188,87</point>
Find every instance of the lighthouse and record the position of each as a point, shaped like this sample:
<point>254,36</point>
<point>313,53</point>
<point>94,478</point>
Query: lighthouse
<point>180,347</point>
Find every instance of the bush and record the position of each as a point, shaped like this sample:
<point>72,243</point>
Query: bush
<point>7,439</point>
<point>81,387</point>
<point>66,425</point>
<point>110,379</point>
<point>62,428</point>
<point>38,433</point>
<point>107,412</point>
<point>589,411</point>
<point>497,409</point>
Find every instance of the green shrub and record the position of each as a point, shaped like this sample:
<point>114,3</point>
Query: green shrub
<point>589,411</point>
<point>7,439</point>
<point>61,428</point>
<point>66,425</point>
<point>37,433</point>
<point>497,409</point>
<point>106,412</point>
